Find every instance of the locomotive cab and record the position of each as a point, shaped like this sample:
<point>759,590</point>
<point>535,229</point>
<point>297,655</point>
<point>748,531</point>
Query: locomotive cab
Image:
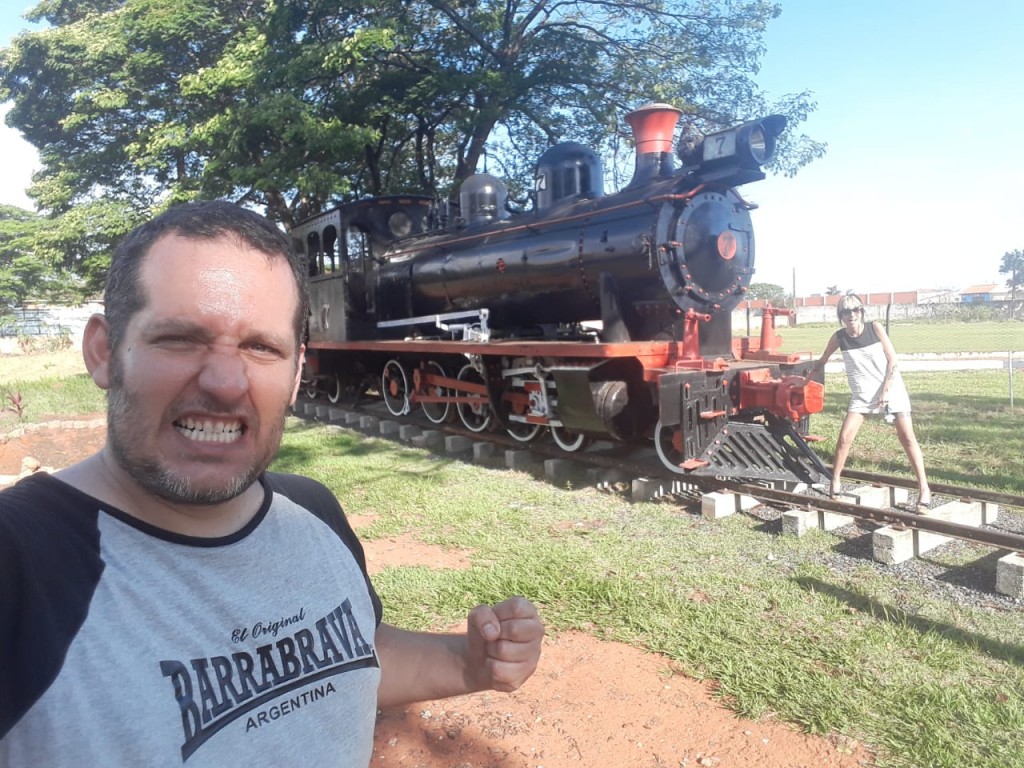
<point>343,248</point>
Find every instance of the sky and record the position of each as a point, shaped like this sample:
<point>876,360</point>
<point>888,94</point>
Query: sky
<point>921,104</point>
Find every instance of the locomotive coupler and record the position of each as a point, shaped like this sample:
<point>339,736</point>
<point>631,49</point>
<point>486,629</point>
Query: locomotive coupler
<point>791,397</point>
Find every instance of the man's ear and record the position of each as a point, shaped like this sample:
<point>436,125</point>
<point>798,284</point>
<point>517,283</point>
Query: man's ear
<point>298,373</point>
<point>96,351</point>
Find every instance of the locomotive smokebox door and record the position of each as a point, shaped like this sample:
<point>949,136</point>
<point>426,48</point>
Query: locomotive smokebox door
<point>705,248</point>
<point>706,251</point>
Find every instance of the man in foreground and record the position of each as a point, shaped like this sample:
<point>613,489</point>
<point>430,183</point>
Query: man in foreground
<point>167,599</point>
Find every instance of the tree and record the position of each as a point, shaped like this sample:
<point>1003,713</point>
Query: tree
<point>60,259</point>
<point>775,294</point>
<point>833,290</point>
<point>292,106</point>
<point>25,273</point>
<point>1013,265</point>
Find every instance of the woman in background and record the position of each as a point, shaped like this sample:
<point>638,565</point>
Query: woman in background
<point>876,387</point>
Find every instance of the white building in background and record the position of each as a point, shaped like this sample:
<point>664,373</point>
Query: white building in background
<point>42,320</point>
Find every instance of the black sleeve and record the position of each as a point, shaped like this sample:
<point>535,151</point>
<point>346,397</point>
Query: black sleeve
<point>49,568</point>
<point>321,502</point>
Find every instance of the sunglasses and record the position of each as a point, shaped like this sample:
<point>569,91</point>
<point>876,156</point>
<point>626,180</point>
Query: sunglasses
<point>851,312</point>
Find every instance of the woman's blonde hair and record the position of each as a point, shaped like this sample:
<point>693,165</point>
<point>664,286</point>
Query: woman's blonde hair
<point>849,302</point>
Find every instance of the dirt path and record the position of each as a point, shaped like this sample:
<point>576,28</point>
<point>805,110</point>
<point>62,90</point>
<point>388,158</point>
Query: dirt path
<point>591,703</point>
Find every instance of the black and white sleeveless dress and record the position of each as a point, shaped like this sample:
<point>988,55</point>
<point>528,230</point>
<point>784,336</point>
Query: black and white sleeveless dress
<point>865,370</point>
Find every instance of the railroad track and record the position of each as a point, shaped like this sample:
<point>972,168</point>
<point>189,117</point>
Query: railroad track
<point>644,467</point>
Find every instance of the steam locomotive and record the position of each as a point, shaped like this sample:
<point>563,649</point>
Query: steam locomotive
<point>593,316</point>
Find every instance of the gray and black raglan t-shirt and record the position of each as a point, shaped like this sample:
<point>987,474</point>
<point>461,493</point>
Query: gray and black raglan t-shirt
<point>122,644</point>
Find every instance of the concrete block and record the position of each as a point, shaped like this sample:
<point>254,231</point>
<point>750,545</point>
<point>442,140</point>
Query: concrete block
<point>926,540</point>
<point>457,444</point>
<point>892,545</point>
<point>647,489</point>
<point>388,428</point>
<point>898,496</point>
<point>408,431</point>
<point>561,471</point>
<point>965,513</point>
<point>797,522</point>
<point>523,461</point>
<point>829,521</point>
<point>962,512</point>
<point>309,410</point>
<point>868,496</point>
<point>352,418</point>
<point>1010,575</point>
<point>429,438</point>
<point>335,415</point>
<point>718,504</point>
<point>485,453</point>
<point>368,423</point>
<point>322,412</point>
<point>989,512</point>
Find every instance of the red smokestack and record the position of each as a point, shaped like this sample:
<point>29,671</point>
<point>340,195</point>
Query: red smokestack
<point>654,126</point>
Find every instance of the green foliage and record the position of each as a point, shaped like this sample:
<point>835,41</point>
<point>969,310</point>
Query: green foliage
<point>70,396</point>
<point>776,294</point>
<point>15,403</point>
<point>292,106</point>
<point>61,258</point>
<point>1013,265</point>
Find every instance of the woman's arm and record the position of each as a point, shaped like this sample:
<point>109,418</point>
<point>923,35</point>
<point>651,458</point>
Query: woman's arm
<point>890,363</point>
<point>830,348</point>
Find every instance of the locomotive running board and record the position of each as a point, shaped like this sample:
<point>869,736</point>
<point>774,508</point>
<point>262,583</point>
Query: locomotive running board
<point>752,451</point>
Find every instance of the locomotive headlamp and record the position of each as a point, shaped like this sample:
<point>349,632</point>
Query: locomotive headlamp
<point>736,154</point>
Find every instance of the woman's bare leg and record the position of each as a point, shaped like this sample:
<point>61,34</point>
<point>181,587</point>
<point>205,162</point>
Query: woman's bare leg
<point>849,430</point>
<point>905,432</point>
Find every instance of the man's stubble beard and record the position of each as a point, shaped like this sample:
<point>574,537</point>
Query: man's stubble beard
<point>149,473</point>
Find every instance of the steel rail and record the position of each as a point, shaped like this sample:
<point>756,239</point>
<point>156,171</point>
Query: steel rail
<point>993,537</point>
<point>615,460</point>
<point>958,491</point>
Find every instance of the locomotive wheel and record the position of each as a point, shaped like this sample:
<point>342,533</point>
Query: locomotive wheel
<point>334,390</point>
<point>475,416</point>
<point>523,432</point>
<point>436,412</point>
<point>310,389</point>
<point>569,441</point>
<point>394,386</point>
<point>668,452</point>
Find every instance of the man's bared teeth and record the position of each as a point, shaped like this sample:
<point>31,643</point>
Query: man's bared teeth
<point>208,431</point>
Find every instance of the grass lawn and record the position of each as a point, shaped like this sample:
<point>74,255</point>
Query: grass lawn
<point>857,651</point>
<point>916,338</point>
<point>779,631</point>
